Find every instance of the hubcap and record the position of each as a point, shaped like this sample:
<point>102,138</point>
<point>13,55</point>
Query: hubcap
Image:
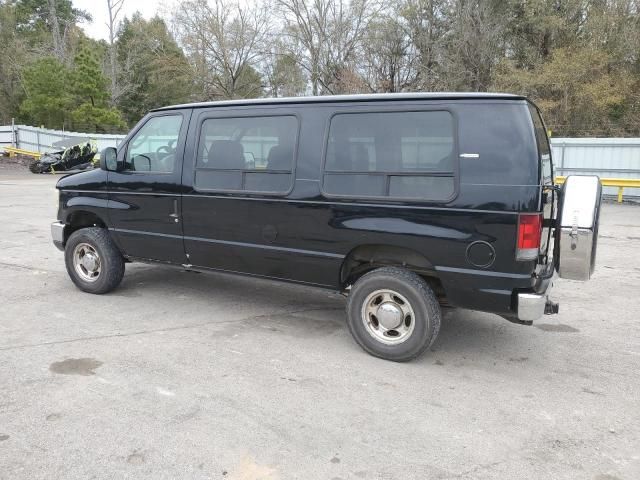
<point>388,317</point>
<point>86,262</point>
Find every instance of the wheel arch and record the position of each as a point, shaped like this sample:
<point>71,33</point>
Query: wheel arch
<point>81,218</point>
<point>368,257</point>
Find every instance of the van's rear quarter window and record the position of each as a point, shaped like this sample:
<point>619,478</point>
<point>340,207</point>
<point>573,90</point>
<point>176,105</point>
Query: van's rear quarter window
<point>401,154</point>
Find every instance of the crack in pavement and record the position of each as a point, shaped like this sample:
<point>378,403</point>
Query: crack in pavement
<point>156,330</point>
<point>25,267</point>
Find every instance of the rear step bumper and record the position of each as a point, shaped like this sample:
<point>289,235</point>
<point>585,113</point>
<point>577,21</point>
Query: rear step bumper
<point>532,306</point>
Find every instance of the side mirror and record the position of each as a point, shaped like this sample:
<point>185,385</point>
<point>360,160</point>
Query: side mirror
<point>109,159</point>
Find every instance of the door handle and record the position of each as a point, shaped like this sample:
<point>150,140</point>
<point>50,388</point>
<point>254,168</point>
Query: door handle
<point>175,215</point>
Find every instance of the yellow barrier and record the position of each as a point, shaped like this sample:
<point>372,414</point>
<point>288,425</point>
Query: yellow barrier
<point>12,151</point>
<point>621,183</point>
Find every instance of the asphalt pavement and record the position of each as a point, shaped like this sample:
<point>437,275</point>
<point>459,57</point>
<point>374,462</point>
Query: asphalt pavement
<point>210,376</point>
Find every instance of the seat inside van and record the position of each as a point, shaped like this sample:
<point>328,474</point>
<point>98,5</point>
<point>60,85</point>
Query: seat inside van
<point>227,154</point>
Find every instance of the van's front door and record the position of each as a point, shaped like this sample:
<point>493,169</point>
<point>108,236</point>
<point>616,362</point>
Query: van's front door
<point>145,198</point>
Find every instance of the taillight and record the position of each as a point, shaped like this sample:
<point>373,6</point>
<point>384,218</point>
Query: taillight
<point>529,234</point>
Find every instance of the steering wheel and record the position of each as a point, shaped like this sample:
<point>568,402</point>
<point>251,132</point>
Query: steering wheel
<point>165,155</point>
<point>164,150</point>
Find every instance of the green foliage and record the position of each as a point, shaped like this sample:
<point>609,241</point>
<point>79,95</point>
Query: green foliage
<point>579,60</point>
<point>579,63</point>
<point>34,14</point>
<point>88,117</point>
<point>47,97</point>
<point>34,21</point>
<point>88,82</point>
<point>11,53</point>
<point>577,90</point>
<point>248,83</point>
<point>154,71</point>
<point>89,87</point>
<point>72,98</point>
<point>287,78</point>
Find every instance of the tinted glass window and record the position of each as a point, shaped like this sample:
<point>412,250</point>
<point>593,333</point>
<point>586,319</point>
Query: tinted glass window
<point>247,153</point>
<point>364,151</point>
<point>501,144</point>
<point>542,142</point>
<point>153,148</point>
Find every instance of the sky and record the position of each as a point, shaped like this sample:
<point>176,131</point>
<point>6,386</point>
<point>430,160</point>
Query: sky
<point>98,10</point>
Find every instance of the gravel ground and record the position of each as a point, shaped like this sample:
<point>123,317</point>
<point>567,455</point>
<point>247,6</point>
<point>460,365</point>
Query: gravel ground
<point>14,165</point>
<point>184,375</point>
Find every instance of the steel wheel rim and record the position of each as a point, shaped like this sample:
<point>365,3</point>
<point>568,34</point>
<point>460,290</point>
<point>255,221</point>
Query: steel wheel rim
<point>86,262</point>
<point>388,317</point>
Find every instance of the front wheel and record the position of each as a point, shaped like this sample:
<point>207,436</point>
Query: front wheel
<point>93,261</point>
<point>393,314</point>
<point>37,167</point>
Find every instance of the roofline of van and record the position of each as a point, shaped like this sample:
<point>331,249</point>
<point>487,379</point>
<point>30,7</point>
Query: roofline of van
<point>350,98</point>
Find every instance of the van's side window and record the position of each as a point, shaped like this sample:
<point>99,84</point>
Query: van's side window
<point>254,154</point>
<point>153,148</point>
<point>391,154</point>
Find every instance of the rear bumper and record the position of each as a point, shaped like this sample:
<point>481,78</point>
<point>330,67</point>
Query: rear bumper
<point>57,235</point>
<point>519,298</point>
<point>531,306</point>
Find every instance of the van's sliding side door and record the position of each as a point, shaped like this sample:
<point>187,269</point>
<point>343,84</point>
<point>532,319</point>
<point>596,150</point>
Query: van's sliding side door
<point>239,172</point>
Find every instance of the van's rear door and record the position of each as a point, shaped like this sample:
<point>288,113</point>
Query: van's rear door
<point>548,194</point>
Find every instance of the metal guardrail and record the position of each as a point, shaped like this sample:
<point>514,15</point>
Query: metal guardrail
<point>13,151</point>
<point>620,183</point>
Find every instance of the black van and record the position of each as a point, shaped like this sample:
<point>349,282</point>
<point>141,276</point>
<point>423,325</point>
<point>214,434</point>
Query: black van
<point>404,202</point>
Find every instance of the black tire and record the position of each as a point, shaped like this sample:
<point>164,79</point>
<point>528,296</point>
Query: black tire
<point>35,167</point>
<point>111,260</point>
<point>422,300</point>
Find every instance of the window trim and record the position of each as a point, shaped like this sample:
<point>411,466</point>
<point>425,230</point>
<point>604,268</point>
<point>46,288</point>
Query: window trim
<point>181,135</point>
<point>454,173</point>
<point>292,172</point>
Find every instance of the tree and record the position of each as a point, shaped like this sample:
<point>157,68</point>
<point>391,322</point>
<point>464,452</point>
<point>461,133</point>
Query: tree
<point>534,28</point>
<point>391,61</point>
<point>576,90</point>
<point>12,55</point>
<point>225,43</point>
<point>427,24</point>
<point>58,47</point>
<point>47,24</point>
<point>114,7</point>
<point>153,70</point>
<point>47,98</point>
<point>578,59</point>
<point>286,78</point>
<point>472,45</point>
<point>324,37</point>
<point>89,87</point>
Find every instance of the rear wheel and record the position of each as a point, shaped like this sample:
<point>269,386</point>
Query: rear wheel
<point>93,261</point>
<point>392,313</point>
